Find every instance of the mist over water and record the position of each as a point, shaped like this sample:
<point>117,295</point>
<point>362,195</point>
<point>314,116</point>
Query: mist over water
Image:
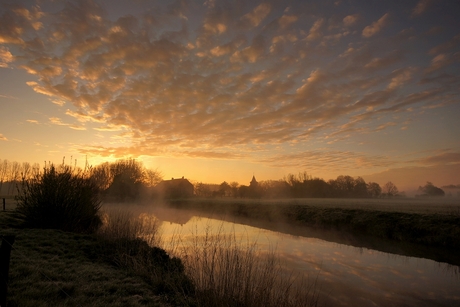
<point>345,275</point>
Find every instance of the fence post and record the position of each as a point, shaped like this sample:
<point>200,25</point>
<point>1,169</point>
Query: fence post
<point>4,207</point>
<point>5,253</point>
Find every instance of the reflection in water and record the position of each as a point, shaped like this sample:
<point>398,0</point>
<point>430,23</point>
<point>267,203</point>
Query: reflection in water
<point>348,276</point>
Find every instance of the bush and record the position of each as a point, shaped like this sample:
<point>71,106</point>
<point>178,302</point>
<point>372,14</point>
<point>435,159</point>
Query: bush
<point>62,199</point>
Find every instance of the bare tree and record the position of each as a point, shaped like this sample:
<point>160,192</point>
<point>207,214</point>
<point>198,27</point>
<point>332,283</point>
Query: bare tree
<point>153,177</point>
<point>4,169</point>
<point>390,190</point>
<point>26,171</point>
<point>15,175</point>
<point>101,175</point>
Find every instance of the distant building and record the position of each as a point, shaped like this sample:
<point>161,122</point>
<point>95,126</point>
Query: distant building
<point>174,188</point>
<point>253,184</point>
<point>253,190</point>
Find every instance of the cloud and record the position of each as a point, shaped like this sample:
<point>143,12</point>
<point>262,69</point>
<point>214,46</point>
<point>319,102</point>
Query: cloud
<point>329,160</point>
<point>32,121</point>
<point>3,138</point>
<point>421,7</point>
<point>386,61</point>
<point>5,57</point>
<point>350,20</point>
<point>109,128</point>
<point>376,26</point>
<point>8,97</point>
<point>401,77</point>
<point>57,121</point>
<point>286,20</point>
<point>443,159</point>
<point>314,32</point>
<point>212,155</point>
<point>255,17</point>
<point>77,127</point>
<point>206,80</point>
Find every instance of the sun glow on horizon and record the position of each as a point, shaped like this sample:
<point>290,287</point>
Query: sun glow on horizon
<point>217,93</point>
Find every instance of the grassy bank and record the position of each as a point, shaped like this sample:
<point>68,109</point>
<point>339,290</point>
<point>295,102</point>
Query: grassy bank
<point>56,268</point>
<point>120,266</point>
<point>421,225</point>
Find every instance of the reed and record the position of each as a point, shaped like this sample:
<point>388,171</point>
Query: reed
<point>228,270</point>
<point>131,242</point>
<point>224,269</point>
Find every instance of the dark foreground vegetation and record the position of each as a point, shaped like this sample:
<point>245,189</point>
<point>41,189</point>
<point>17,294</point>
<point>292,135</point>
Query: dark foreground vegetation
<point>51,267</point>
<point>436,230</point>
<point>68,252</point>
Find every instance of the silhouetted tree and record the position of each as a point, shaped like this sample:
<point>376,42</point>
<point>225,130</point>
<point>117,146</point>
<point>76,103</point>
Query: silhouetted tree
<point>243,191</point>
<point>274,189</point>
<point>202,190</point>
<point>360,188</point>
<point>374,189</point>
<point>225,189</point>
<point>4,170</point>
<point>390,190</point>
<point>152,177</point>
<point>129,180</point>
<point>234,186</point>
<point>430,190</point>
<point>101,176</point>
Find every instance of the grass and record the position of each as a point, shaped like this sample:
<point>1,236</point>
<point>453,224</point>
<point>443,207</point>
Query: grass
<point>55,268</point>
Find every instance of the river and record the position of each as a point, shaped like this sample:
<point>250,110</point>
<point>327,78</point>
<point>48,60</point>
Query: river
<point>345,275</point>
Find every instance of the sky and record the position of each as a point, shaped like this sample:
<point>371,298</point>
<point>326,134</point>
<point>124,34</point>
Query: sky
<point>223,90</point>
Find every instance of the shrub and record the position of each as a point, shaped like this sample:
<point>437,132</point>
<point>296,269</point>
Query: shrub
<point>62,198</point>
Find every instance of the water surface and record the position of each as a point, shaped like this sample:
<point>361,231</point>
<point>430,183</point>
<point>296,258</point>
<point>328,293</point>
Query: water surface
<point>346,275</point>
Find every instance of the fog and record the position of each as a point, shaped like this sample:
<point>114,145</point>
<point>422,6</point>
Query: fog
<point>349,269</point>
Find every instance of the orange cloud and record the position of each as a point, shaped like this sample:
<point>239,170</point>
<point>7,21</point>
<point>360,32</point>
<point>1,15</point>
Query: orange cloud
<point>257,15</point>
<point>375,27</point>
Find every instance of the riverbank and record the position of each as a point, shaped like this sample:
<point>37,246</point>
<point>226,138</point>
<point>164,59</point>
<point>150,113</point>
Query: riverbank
<point>419,226</point>
<point>55,268</point>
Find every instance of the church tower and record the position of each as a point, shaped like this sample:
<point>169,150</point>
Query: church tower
<point>253,183</point>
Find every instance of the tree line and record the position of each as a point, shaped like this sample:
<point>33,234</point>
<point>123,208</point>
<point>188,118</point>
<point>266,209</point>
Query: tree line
<point>129,179</point>
<point>304,185</point>
<point>122,180</point>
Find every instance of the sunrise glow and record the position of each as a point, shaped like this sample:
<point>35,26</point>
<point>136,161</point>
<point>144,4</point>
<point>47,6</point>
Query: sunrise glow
<point>223,90</point>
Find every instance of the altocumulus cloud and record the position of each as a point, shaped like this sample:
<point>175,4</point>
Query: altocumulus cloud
<point>204,79</point>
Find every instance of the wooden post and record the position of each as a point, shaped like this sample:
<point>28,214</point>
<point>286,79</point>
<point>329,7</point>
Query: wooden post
<point>5,253</point>
<point>4,207</point>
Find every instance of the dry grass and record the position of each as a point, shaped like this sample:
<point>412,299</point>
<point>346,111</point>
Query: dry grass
<point>56,268</point>
<point>123,224</point>
<point>131,242</point>
<point>231,271</point>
